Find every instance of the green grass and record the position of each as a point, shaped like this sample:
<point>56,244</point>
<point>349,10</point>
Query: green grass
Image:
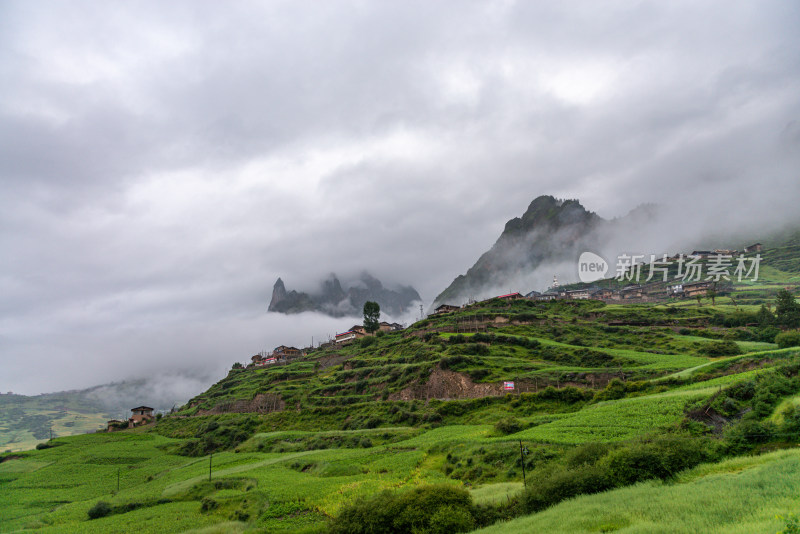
<point>743,495</point>
<point>777,414</point>
<point>613,420</point>
<point>496,493</point>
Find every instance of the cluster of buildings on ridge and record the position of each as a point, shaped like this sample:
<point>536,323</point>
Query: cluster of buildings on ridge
<point>706,254</point>
<point>637,292</point>
<point>283,354</point>
<point>631,293</point>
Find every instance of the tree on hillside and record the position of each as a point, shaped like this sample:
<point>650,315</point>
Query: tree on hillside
<point>787,311</point>
<point>712,294</point>
<point>764,316</point>
<point>372,315</point>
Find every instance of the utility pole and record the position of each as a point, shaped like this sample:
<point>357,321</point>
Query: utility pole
<point>522,453</point>
<point>421,313</point>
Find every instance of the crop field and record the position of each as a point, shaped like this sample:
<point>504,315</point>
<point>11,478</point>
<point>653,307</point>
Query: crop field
<point>613,420</point>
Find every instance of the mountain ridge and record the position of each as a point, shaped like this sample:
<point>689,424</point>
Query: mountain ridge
<point>551,229</point>
<point>334,300</point>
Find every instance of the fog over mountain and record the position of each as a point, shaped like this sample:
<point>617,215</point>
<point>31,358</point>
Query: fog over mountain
<point>332,299</point>
<point>547,240</point>
<point>163,164</point>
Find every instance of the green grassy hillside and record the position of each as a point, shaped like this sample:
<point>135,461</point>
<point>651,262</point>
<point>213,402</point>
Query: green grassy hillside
<point>648,407</point>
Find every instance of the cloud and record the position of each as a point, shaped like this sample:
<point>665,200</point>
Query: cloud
<point>162,165</point>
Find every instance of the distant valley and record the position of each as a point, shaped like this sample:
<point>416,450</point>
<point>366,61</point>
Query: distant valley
<point>27,420</point>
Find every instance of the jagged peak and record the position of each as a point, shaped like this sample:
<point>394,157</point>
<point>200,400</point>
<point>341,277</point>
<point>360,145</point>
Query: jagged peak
<point>548,211</point>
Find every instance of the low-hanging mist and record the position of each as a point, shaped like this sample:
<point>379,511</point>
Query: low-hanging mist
<point>159,176</point>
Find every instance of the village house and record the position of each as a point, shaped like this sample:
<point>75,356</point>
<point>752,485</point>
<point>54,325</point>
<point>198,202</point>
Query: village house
<point>358,328</point>
<point>756,247</point>
<point>602,293</point>
<point>675,291</point>
<point>578,294</point>
<point>510,296</point>
<point>532,295</point>
<point>348,337</point>
<point>696,288</point>
<point>549,295</point>
<point>703,254</point>
<point>389,327</point>
<point>655,289</point>
<point>631,292</point>
<point>140,415</point>
<point>445,308</point>
<point>287,353</point>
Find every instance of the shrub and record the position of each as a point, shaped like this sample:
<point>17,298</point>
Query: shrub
<point>508,425</point>
<point>587,454</point>
<point>477,349</point>
<point>721,348</point>
<point>660,459</point>
<point>552,487</point>
<point>428,509</point>
<point>747,433</point>
<point>448,519</point>
<point>766,334</point>
<point>100,509</point>
<point>615,389</point>
<point>477,374</point>
<point>568,394</point>
<point>453,362</point>
<point>368,341</point>
<point>788,339</point>
<point>787,310</point>
<point>208,504</point>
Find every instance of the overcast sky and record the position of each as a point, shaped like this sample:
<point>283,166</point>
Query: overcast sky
<point>162,163</point>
